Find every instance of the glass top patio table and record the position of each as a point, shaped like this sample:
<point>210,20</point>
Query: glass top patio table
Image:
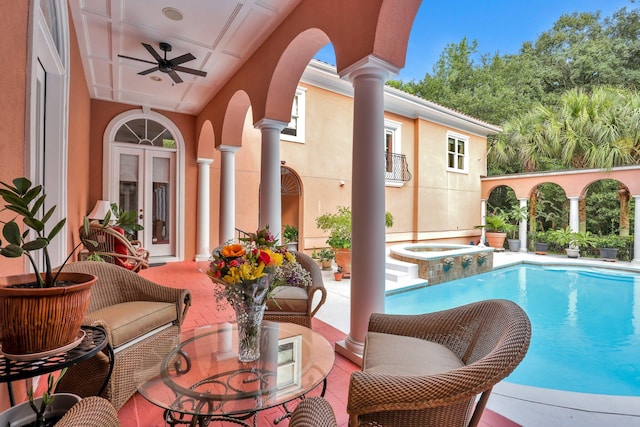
<point>202,377</point>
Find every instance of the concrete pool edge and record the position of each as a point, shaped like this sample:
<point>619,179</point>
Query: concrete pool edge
<point>534,406</point>
<point>508,259</point>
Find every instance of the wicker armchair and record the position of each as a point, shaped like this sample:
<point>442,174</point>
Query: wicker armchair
<point>139,316</point>
<point>313,412</point>
<point>90,412</point>
<point>427,369</point>
<point>113,247</point>
<point>294,304</point>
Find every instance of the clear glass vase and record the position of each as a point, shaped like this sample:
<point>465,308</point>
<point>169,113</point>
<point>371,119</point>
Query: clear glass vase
<point>249,305</point>
<point>249,317</point>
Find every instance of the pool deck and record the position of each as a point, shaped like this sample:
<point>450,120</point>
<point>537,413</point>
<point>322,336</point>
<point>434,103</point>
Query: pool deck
<point>527,406</point>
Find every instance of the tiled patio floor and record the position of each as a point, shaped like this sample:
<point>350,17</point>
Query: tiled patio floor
<point>137,412</point>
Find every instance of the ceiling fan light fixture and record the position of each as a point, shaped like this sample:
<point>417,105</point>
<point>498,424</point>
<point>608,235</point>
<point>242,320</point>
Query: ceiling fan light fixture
<point>172,13</point>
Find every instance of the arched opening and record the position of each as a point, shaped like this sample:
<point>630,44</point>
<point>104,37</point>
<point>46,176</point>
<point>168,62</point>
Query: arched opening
<point>608,217</point>
<point>504,204</point>
<point>291,202</point>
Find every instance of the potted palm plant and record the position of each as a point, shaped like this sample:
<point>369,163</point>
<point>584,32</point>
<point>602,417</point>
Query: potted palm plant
<point>496,227</point>
<point>42,311</point>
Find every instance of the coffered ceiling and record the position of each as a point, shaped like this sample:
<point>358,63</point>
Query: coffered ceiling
<point>221,34</point>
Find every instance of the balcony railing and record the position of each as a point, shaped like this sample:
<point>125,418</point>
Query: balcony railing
<point>396,167</point>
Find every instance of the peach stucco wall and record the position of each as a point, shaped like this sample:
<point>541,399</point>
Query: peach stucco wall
<point>434,204</point>
<point>79,164</point>
<point>13,79</point>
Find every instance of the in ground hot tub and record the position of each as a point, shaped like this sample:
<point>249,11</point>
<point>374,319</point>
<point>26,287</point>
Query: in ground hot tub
<point>438,262</point>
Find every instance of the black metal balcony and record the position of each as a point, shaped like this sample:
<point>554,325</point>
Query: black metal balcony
<point>396,167</point>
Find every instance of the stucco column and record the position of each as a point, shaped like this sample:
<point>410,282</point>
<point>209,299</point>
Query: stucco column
<point>227,222</point>
<point>483,221</point>
<point>522,230</point>
<point>270,209</point>
<point>204,215</point>
<point>636,231</point>
<point>368,255</point>
<point>574,216</point>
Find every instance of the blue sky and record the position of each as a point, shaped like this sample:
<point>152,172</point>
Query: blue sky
<point>497,25</point>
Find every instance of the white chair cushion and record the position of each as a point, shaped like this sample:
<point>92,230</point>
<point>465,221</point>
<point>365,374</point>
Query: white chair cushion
<point>399,355</point>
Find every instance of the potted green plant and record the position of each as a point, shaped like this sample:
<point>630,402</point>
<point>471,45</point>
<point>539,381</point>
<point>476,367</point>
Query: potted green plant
<point>496,226</point>
<point>608,247</point>
<point>126,220</point>
<point>42,411</point>
<point>326,256</point>
<point>338,225</point>
<point>516,215</point>
<point>42,311</point>
<point>290,236</point>
<point>316,257</point>
<point>573,250</point>
<point>541,244</point>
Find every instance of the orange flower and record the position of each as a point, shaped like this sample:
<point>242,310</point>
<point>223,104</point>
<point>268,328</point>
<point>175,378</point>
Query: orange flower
<point>232,251</point>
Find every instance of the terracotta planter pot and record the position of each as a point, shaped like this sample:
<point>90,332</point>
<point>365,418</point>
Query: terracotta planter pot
<point>337,276</point>
<point>343,260</point>
<point>42,319</point>
<point>496,240</point>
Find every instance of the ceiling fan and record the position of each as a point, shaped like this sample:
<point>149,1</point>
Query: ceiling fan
<point>169,66</point>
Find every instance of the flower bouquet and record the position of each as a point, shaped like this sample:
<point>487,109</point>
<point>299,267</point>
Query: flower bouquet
<point>247,273</point>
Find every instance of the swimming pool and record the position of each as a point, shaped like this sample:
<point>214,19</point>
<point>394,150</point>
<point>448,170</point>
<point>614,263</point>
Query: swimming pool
<point>585,323</point>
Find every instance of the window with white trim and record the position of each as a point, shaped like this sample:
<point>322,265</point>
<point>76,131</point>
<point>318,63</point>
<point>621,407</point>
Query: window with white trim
<point>295,129</point>
<point>457,149</point>
<point>392,144</point>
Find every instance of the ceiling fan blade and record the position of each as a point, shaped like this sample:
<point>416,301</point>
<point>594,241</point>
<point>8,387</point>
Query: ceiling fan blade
<point>176,78</point>
<point>149,71</point>
<point>182,59</point>
<point>190,71</point>
<point>152,51</point>
<point>137,59</point>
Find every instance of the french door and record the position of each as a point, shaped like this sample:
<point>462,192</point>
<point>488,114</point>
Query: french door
<point>146,183</point>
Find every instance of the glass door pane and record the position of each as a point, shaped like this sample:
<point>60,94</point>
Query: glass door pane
<point>129,188</point>
<point>161,201</point>
<point>159,209</point>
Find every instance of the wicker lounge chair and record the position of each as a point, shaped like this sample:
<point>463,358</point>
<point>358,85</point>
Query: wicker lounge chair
<point>139,316</point>
<point>313,412</point>
<point>112,246</point>
<point>294,304</point>
<point>427,370</point>
<point>90,412</point>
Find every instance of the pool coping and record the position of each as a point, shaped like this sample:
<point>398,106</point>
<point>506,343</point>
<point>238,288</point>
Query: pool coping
<point>534,406</point>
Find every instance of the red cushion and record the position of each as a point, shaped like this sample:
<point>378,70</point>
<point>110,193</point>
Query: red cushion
<point>121,248</point>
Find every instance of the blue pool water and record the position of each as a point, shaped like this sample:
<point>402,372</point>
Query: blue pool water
<point>585,323</point>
